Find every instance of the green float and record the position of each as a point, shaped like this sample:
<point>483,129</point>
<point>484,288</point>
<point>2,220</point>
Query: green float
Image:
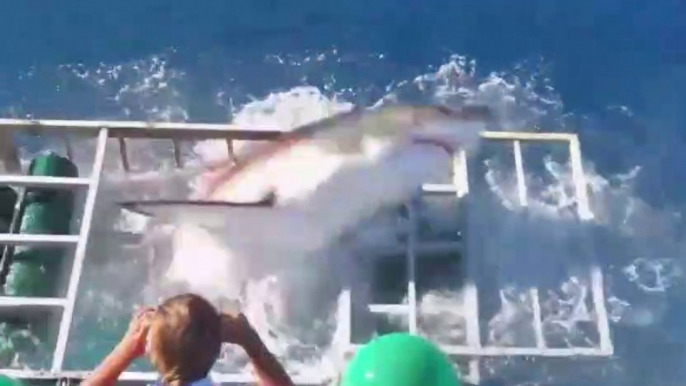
<point>35,270</point>
<point>7,381</point>
<point>400,359</point>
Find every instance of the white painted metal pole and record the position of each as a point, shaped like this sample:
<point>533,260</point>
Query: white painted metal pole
<point>460,181</point>
<point>198,131</point>
<point>601,311</point>
<point>43,181</point>
<point>597,282</point>
<point>17,302</point>
<point>537,319</point>
<point>38,240</point>
<point>524,201</point>
<point>470,305</point>
<point>138,129</point>
<point>521,178</point>
<point>579,178</point>
<point>343,337</point>
<point>148,377</point>
<point>80,253</point>
<point>390,309</point>
<point>411,267</point>
<point>345,315</point>
<point>526,136</point>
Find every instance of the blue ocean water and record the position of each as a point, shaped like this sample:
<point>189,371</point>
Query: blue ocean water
<point>618,68</point>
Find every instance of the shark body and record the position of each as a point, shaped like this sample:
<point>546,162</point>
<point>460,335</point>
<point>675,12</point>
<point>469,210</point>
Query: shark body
<point>294,197</point>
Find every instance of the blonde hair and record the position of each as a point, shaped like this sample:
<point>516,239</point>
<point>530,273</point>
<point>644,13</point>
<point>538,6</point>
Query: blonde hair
<point>185,339</point>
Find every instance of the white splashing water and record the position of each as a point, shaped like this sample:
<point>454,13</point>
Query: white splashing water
<point>516,248</point>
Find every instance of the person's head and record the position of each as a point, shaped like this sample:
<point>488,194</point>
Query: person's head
<point>184,339</point>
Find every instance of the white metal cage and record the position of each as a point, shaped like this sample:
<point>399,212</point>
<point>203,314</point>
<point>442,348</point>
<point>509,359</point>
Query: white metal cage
<point>473,350</point>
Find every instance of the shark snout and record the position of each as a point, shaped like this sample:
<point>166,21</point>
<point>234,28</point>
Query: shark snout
<point>448,146</point>
<point>450,129</point>
<point>450,135</point>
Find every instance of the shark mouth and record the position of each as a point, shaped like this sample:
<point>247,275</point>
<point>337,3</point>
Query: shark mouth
<point>449,148</point>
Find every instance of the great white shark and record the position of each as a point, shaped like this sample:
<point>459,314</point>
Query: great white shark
<point>296,196</point>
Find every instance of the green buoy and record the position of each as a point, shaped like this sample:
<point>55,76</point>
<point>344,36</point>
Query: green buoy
<point>401,359</point>
<point>7,381</point>
<point>35,270</point>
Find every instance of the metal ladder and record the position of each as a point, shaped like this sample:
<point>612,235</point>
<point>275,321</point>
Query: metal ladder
<point>122,131</point>
<point>65,304</point>
<point>102,130</point>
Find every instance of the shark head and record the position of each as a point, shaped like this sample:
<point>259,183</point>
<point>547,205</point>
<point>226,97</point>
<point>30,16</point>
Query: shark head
<point>447,128</point>
<point>450,129</point>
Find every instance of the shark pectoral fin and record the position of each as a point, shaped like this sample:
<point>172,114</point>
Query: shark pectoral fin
<point>204,213</point>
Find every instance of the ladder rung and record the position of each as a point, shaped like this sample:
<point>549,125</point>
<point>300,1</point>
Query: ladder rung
<point>150,130</point>
<point>439,189</point>
<point>393,309</point>
<point>525,351</point>
<point>19,302</point>
<point>134,376</point>
<point>41,240</point>
<point>23,307</point>
<point>43,182</point>
<point>517,351</point>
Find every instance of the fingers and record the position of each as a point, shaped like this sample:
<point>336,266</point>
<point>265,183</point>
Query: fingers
<point>147,315</point>
<point>144,315</point>
<point>142,318</point>
<point>143,310</point>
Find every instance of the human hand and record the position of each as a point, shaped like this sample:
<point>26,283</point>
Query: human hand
<point>135,339</point>
<point>236,329</point>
